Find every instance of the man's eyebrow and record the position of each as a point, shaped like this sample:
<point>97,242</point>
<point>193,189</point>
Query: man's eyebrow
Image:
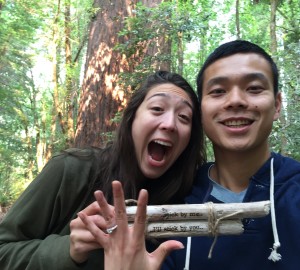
<point>246,77</point>
<point>217,80</point>
<point>167,95</point>
<point>255,76</point>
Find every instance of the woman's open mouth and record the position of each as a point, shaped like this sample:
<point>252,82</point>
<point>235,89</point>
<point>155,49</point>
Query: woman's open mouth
<point>157,149</point>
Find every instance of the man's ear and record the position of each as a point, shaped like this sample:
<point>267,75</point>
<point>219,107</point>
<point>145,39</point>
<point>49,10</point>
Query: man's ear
<point>278,104</point>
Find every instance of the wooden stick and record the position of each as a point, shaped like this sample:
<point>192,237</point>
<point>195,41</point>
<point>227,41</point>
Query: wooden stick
<point>203,211</point>
<point>193,228</point>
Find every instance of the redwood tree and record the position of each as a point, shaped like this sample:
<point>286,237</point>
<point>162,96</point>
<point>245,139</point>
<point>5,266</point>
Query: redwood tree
<point>102,97</point>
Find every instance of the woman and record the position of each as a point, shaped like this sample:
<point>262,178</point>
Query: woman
<point>158,147</point>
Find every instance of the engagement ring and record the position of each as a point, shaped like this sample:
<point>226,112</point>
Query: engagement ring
<point>111,229</point>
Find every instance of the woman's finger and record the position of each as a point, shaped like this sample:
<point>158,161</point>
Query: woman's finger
<point>92,209</point>
<point>107,210</point>
<point>99,235</point>
<point>141,215</point>
<point>163,251</point>
<point>120,208</point>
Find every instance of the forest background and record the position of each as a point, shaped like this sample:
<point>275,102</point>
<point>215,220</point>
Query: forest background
<point>67,68</point>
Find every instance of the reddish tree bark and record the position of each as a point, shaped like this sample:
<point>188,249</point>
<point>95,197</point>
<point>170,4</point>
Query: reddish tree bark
<point>101,96</point>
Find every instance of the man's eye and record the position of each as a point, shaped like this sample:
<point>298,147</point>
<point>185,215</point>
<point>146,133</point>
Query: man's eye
<point>217,91</point>
<point>255,88</point>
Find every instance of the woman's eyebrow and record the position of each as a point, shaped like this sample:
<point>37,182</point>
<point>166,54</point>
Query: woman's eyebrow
<point>158,94</point>
<point>167,95</point>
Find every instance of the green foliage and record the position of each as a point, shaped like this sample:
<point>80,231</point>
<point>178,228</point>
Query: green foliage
<point>17,27</point>
<point>26,91</point>
<point>203,25</point>
<point>190,31</point>
<point>166,20</point>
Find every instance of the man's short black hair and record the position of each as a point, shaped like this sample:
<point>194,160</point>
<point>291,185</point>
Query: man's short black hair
<point>231,48</point>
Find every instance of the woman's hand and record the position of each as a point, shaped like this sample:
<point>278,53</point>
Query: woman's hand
<point>124,247</point>
<point>81,240</point>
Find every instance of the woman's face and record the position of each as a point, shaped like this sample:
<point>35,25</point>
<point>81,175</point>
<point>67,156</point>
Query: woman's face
<point>161,128</point>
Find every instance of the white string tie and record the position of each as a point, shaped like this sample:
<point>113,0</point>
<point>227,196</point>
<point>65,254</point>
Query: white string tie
<point>188,253</point>
<point>274,256</point>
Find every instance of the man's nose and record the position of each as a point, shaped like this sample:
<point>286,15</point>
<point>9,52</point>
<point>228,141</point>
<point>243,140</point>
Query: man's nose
<point>236,98</point>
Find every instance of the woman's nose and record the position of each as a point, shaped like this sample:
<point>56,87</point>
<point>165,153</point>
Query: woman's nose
<point>168,122</point>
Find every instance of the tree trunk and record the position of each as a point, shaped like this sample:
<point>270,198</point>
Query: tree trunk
<point>237,19</point>
<point>180,52</point>
<point>101,96</point>
<point>273,49</point>
<point>56,112</point>
<point>273,28</point>
<point>69,78</point>
<point>162,43</point>
<point>41,157</point>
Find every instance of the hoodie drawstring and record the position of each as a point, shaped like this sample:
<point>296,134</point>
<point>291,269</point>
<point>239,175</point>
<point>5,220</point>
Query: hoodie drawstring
<point>274,256</point>
<point>188,253</point>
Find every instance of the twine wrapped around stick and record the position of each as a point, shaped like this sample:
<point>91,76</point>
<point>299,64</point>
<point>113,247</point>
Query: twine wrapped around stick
<point>209,219</point>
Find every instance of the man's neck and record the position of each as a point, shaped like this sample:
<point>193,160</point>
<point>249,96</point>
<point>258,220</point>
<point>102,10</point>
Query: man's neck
<point>233,170</point>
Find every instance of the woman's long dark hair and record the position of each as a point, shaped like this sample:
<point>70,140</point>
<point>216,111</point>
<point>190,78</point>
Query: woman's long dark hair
<point>118,161</point>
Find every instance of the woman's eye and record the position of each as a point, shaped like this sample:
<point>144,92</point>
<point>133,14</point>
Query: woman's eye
<point>185,117</point>
<point>156,109</point>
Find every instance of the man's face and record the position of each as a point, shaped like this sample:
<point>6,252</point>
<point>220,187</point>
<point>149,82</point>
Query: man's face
<point>238,103</point>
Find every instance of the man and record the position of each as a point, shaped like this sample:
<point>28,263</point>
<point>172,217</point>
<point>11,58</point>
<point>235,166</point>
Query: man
<point>238,90</point>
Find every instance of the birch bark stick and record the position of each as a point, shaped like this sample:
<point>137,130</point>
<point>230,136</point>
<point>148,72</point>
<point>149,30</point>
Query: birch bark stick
<point>192,228</point>
<point>203,211</point>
